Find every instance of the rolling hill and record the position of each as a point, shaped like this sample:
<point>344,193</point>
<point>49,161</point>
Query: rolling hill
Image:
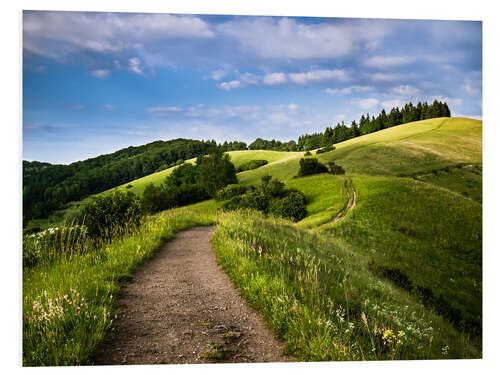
<point>387,264</point>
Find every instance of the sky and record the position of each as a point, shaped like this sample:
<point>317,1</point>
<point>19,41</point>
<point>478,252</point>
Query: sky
<point>94,83</point>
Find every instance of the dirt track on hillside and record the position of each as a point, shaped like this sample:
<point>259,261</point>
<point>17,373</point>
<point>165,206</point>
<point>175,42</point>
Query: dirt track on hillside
<point>182,308</point>
<point>351,201</point>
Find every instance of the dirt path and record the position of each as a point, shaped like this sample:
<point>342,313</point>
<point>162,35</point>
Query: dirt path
<point>351,201</point>
<point>182,308</point>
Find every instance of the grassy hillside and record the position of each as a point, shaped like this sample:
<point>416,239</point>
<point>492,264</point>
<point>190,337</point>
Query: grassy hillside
<point>399,277</point>
<point>411,148</point>
<point>418,217</point>
<point>237,158</point>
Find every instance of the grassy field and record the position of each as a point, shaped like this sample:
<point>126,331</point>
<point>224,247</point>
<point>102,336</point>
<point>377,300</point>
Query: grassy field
<point>399,277</point>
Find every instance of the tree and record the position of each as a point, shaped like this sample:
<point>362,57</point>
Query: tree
<point>216,171</point>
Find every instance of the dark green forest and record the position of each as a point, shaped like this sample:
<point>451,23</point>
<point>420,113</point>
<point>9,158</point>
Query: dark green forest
<point>48,187</point>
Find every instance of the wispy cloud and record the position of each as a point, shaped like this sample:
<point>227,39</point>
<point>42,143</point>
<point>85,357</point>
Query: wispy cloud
<point>100,73</point>
<point>274,79</point>
<point>406,90</point>
<point>109,107</point>
<point>280,78</point>
<point>218,74</point>
<point>348,90</point>
<point>163,109</point>
<point>319,75</point>
<point>368,103</point>
<point>383,62</point>
<point>388,77</point>
<point>134,65</point>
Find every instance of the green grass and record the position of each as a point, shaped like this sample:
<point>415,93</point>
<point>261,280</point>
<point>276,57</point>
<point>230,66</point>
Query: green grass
<point>325,194</point>
<point>466,180</point>
<point>424,238</point>
<point>406,258</point>
<point>237,158</point>
<point>411,147</point>
<point>68,302</point>
<point>320,297</point>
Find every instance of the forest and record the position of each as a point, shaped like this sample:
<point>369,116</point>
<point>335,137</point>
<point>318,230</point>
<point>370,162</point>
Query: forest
<point>47,187</point>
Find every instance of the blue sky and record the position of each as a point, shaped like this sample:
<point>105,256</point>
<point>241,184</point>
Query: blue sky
<point>97,82</point>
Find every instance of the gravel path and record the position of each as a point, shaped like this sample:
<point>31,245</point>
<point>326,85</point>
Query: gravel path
<point>182,308</point>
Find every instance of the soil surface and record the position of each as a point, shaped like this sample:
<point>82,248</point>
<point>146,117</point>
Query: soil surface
<point>181,307</point>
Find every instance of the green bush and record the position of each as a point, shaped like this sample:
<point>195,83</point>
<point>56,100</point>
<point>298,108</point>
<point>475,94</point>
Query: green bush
<point>308,153</point>
<point>229,192</point>
<point>292,207</point>
<point>112,214</point>
<point>271,197</point>
<point>257,200</point>
<point>154,199</point>
<point>309,166</point>
<point>252,164</point>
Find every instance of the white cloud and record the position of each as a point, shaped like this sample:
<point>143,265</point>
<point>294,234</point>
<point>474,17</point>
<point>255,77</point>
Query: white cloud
<point>280,78</point>
<point>275,79</point>
<point>391,103</point>
<point>271,38</point>
<point>163,109</point>
<point>229,85</point>
<point>348,90</point>
<point>406,90</point>
<point>134,65</point>
<point>382,62</point>
<point>109,107</point>
<point>386,76</point>
<point>367,103</point>
<point>218,74</point>
<point>100,73</point>
<point>78,107</point>
<point>104,32</point>
<point>320,75</point>
<point>293,107</point>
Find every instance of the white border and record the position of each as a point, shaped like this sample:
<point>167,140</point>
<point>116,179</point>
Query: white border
<point>423,9</point>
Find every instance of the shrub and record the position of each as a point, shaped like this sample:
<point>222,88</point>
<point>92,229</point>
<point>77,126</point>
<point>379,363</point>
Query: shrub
<point>271,197</point>
<point>292,207</point>
<point>325,149</point>
<point>233,204</point>
<point>252,164</point>
<point>215,171</point>
<point>309,166</point>
<point>229,192</point>
<point>154,199</point>
<point>257,200</point>
<point>308,153</point>
<point>111,214</point>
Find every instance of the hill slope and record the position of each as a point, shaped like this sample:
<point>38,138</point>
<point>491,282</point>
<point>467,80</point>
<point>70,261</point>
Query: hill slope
<point>411,148</point>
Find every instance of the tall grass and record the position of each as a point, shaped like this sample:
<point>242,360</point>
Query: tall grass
<point>320,297</point>
<point>68,297</point>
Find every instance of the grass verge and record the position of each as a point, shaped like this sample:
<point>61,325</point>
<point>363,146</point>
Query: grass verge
<point>68,301</point>
<point>321,298</point>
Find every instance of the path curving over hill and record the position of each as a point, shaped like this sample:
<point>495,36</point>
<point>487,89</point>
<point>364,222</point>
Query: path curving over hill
<point>351,201</point>
<point>182,308</point>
